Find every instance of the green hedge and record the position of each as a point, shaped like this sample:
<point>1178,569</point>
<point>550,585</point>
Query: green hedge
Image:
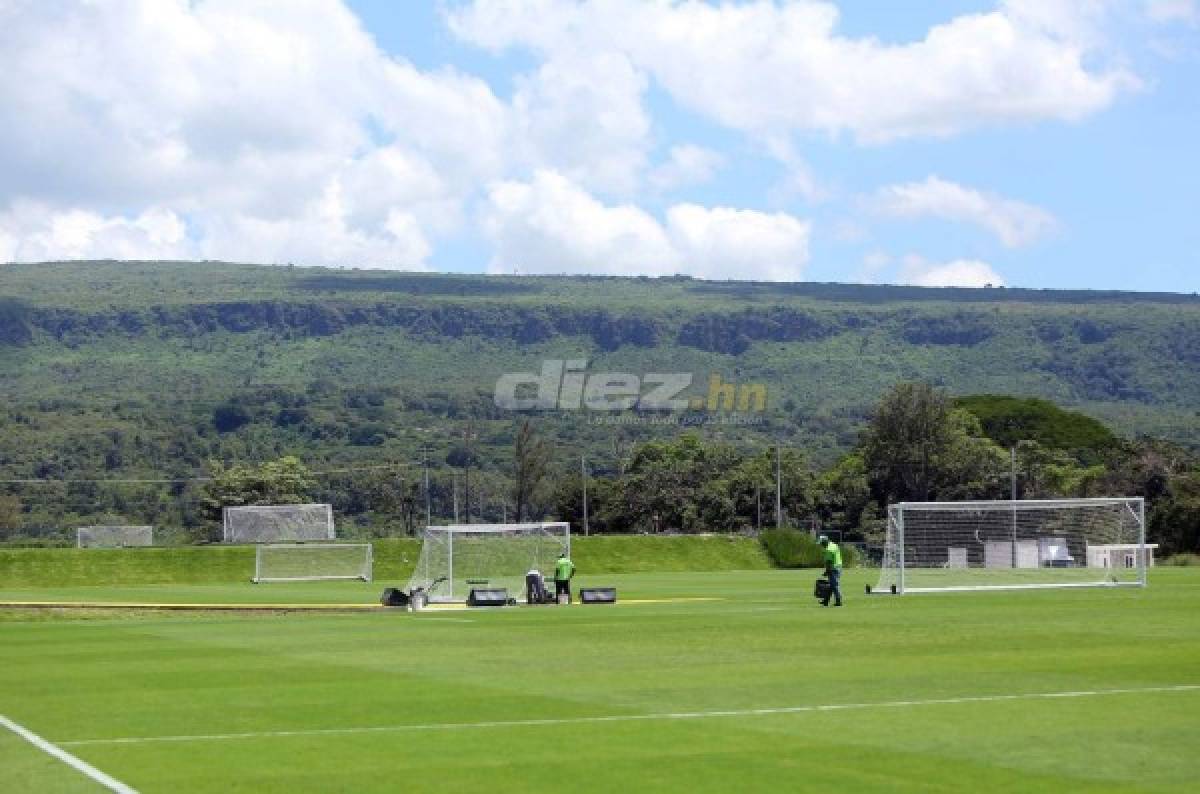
<point>791,548</point>
<point>394,560</point>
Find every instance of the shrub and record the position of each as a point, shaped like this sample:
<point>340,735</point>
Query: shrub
<point>791,548</point>
<point>1186,560</point>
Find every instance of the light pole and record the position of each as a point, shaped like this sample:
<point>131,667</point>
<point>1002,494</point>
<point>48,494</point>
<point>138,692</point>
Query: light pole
<point>778,491</point>
<point>428,504</point>
<point>1012,468</point>
<point>583,472</point>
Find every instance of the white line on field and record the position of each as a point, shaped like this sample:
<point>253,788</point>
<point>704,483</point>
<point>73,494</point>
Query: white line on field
<point>679,715</point>
<point>110,783</point>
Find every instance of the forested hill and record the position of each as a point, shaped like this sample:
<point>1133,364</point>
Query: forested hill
<point>140,367</point>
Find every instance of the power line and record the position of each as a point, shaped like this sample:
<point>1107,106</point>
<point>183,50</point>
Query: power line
<point>175,480</point>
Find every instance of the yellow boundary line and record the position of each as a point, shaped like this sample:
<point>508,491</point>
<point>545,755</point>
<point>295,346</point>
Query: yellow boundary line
<point>291,607</point>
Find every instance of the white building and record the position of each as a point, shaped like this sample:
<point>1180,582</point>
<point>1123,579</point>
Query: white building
<point>1118,555</point>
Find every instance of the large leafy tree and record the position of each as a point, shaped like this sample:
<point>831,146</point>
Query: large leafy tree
<point>530,458</point>
<point>278,482</point>
<point>919,447</point>
<point>10,515</point>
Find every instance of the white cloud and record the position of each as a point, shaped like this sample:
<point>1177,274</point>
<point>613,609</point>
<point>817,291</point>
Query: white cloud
<point>957,273</point>
<point>240,120</point>
<point>1015,223</point>
<point>550,225</point>
<point>1171,11</point>
<point>686,165</point>
<point>774,69</point>
<point>582,115</point>
<point>30,231</point>
<point>741,244</point>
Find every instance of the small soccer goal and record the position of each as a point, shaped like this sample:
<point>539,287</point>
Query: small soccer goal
<point>278,523</point>
<point>456,559</point>
<point>1011,545</point>
<point>307,562</point>
<point>113,536</point>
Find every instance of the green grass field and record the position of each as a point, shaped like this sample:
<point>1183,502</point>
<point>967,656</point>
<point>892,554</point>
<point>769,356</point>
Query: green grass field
<point>932,692</point>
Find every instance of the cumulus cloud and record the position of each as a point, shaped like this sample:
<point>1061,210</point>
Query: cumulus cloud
<point>957,273</point>
<point>551,225</point>
<point>686,165</point>
<point>774,69</point>
<point>582,115</point>
<point>31,231</point>
<point>264,131</point>
<point>1171,11</point>
<point>1015,223</point>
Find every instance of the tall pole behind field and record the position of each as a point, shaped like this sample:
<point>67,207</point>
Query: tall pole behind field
<point>467,472</point>
<point>778,491</point>
<point>1013,480</point>
<point>583,472</point>
<point>428,503</point>
<point>758,507</point>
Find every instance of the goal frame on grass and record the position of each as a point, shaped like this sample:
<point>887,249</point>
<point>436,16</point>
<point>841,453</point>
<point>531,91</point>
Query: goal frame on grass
<point>1013,545</point>
<point>277,523</point>
<point>458,557</point>
<point>113,536</point>
<point>310,562</point>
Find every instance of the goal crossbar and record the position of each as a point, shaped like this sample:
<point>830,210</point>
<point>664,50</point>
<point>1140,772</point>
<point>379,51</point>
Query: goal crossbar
<point>307,562</point>
<point>1014,545</point>
<point>277,523</point>
<point>456,558</point>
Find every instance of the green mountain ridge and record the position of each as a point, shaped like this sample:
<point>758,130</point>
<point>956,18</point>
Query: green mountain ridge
<point>114,367</point>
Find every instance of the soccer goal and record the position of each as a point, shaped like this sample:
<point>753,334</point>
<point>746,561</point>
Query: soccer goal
<point>302,562</point>
<point>278,523</point>
<point>113,536</point>
<point>456,559</point>
<point>1010,545</point>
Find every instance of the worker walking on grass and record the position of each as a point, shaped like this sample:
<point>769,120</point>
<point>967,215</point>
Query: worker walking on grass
<point>564,569</point>
<point>833,570</point>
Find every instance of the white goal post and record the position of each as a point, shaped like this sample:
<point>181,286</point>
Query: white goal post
<point>1013,545</point>
<point>305,562</point>
<point>455,559</point>
<point>114,536</point>
<point>277,523</point>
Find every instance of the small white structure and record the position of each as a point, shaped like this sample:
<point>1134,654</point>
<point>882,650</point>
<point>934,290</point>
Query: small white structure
<point>999,554</point>
<point>1119,555</point>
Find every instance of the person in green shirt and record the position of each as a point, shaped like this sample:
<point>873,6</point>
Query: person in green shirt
<point>564,569</point>
<point>833,570</point>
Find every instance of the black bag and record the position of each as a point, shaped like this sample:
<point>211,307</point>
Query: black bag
<point>822,589</point>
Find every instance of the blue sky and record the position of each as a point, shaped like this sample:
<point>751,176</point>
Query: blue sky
<point>1040,144</point>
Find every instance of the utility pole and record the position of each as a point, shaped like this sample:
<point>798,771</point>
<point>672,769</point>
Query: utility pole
<point>758,507</point>
<point>583,472</point>
<point>428,504</point>
<point>778,491</point>
<point>1013,481</point>
<point>467,438</point>
<point>454,486</point>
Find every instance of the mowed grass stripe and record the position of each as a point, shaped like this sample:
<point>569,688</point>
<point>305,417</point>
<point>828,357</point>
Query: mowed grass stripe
<point>683,715</point>
<point>74,677</point>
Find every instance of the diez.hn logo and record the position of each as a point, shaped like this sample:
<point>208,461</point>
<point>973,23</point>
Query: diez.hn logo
<point>565,385</point>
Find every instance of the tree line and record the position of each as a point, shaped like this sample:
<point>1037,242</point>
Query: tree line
<point>920,444</point>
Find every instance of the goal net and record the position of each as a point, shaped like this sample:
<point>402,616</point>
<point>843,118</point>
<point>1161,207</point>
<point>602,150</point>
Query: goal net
<point>300,562</point>
<point>113,536</point>
<point>278,523</point>
<point>934,546</point>
<point>455,559</point>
